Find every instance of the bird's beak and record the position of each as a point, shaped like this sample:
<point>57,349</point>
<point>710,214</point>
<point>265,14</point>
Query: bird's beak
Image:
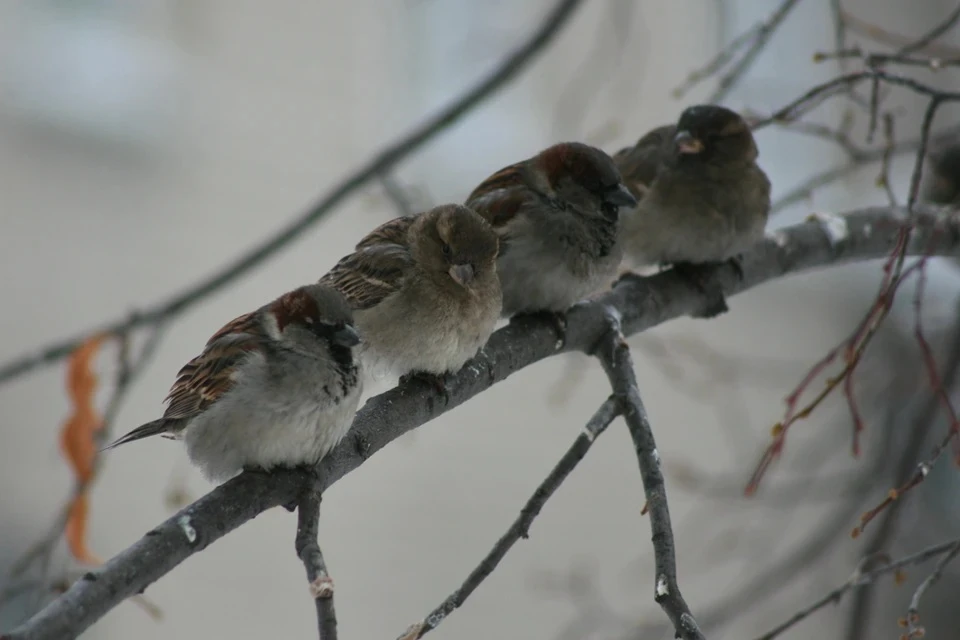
<point>686,143</point>
<point>346,337</point>
<point>621,197</point>
<point>462,274</point>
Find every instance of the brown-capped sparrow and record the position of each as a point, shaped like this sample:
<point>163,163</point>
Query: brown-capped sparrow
<point>703,199</point>
<point>275,387</point>
<point>557,218</point>
<point>424,291</point>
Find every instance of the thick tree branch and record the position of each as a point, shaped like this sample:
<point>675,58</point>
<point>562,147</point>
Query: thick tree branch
<point>379,165</point>
<point>614,355</point>
<point>641,303</point>
<point>520,528</point>
<point>308,550</point>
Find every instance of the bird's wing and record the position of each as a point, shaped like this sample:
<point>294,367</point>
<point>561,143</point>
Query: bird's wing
<point>639,164</point>
<point>499,198</point>
<point>390,232</point>
<point>205,379</point>
<point>370,274</point>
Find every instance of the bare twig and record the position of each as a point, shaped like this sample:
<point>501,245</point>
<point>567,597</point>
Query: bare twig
<point>938,30</point>
<point>387,158</point>
<point>914,630</point>
<point>641,303</point>
<point>757,36</point>
<point>906,469</point>
<point>836,174</point>
<point>906,45</point>
<point>881,59</point>
<point>890,142</point>
<point>861,578</point>
<point>520,528</point>
<point>816,95</point>
<point>614,355</point>
<point>856,344</point>
<point>308,550</point>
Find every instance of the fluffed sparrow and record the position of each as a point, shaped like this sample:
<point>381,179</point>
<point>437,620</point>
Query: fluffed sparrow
<point>703,199</point>
<point>557,218</point>
<point>275,387</point>
<point>424,291</point>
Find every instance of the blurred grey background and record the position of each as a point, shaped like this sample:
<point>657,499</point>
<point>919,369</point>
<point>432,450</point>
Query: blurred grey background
<point>145,143</point>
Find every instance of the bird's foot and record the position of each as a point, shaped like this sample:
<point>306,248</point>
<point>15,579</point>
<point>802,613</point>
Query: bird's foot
<point>438,382</point>
<point>736,262</point>
<point>699,276</point>
<point>557,318</point>
<point>310,469</point>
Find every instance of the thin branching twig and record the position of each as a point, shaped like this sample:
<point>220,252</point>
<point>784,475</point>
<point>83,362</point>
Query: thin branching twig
<point>308,550</point>
<point>520,528</point>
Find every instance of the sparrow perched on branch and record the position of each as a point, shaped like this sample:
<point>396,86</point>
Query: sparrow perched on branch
<point>424,291</point>
<point>557,218</point>
<point>275,387</point>
<point>703,199</point>
<point>941,175</point>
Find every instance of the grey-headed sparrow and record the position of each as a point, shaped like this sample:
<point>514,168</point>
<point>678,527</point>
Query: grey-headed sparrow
<point>275,387</point>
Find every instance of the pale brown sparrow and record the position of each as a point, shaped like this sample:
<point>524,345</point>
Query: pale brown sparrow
<point>424,291</point>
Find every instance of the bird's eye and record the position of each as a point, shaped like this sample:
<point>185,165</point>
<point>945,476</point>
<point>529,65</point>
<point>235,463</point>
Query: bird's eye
<point>446,249</point>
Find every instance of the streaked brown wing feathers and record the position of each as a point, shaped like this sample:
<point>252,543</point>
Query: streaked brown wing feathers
<point>500,207</point>
<point>370,274</point>
<point>204,379</point>
<point>390,232</point>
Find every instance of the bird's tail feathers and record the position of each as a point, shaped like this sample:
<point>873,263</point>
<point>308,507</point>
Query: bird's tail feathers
<point>157,427</point>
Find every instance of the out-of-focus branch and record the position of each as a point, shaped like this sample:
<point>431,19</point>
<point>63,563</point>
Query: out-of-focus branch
<point>640,302</point>
<point>379,165</point>
<point>905,44</point>
<point>308,550</point>
<point>864,158</point>
<point>614,355</point>
<point>754,39</point>
<point>520,528</point>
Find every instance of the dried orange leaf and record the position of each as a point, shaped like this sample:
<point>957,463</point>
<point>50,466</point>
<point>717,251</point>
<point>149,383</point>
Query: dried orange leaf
<point>77,436</point>
<point>78,442</point>
<point>76,531</point>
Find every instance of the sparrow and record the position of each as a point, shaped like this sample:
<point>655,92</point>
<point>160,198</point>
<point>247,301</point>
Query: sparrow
<point>424,291</point>
<point>703,198</point>
<point>556,215</point>
<point>277,387</point>
<point>941,176</point>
